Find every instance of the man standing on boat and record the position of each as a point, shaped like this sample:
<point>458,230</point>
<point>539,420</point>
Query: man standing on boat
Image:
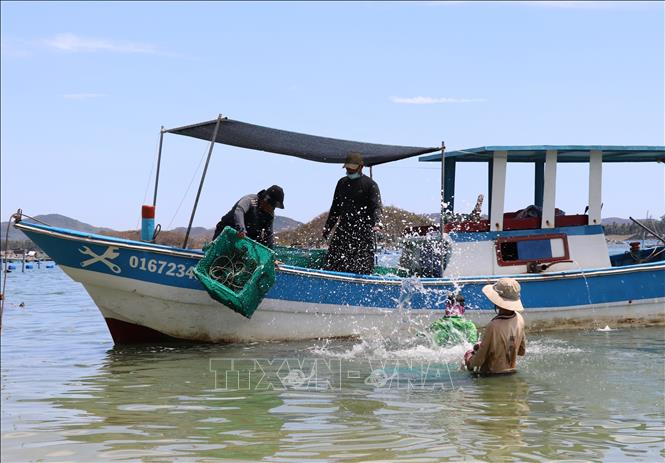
<point>356,211</point>
<point>503,339</point>
<point>253,215</point>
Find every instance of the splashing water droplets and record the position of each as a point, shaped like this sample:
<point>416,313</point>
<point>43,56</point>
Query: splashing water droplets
<point>409,338</point>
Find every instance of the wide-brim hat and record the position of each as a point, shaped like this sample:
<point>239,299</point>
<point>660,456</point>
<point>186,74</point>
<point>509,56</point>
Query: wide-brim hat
<point>353,161</point>
<point>505,293</point>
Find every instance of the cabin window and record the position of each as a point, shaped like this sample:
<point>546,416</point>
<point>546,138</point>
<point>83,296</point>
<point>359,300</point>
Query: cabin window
<point>521,250</point>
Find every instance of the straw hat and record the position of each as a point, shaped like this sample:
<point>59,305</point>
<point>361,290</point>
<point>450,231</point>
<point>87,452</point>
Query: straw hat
<point>505,293</point>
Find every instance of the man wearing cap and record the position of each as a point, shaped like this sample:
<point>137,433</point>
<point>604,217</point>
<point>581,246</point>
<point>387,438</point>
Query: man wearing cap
<point>253,215</point>
<point>503,339</point>
<point>356,210</point>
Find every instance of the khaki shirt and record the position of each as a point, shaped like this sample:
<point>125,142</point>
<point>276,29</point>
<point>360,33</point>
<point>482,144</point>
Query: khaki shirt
<point>502,342</point>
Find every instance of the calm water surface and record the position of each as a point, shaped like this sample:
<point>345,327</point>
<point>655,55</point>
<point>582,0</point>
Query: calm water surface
<point>69,395</point>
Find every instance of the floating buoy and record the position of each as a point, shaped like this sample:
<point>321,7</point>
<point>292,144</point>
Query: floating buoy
<point>28,265</point>
<point>11,267</point>
<point>50,265</point>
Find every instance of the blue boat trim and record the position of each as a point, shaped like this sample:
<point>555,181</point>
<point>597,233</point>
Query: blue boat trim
<point>484,279</point>
<point>146,262</point>
<point>350,277</point>
<point>462,237</point>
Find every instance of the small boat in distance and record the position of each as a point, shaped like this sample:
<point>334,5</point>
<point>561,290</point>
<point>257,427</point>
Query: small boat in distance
<point>148,293</point>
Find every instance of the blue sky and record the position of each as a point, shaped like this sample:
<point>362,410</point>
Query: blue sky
<point>86,87</point>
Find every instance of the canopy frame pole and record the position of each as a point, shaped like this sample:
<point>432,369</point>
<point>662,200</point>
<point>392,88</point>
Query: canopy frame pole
<point>595,186</point>
<point>499,165</point>
<point>159,163</point>
<point>203,176</point>
<point>442,221</point>
<point>449,197</point>
<point>548,219</point>
<point>539,183</point>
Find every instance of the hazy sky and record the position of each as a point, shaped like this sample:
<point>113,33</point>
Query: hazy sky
<point>86,87</point>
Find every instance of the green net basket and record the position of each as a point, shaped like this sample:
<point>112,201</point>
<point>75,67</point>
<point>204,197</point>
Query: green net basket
<point>300,257</point>
<point>238,272</point>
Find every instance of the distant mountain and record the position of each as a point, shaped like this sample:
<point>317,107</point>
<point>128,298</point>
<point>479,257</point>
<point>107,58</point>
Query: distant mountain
<point>55,220</point>
<point>195,233</point>
<point>290,231</point>
<point>281,224</point>
<point>616,220</point>
<point>61,221</point>
<point>436,216</point>
<point>284,223</point>
<point>394,220</point>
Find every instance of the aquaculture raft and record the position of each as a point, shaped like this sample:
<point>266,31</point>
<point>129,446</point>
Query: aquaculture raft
<point>238,272</point>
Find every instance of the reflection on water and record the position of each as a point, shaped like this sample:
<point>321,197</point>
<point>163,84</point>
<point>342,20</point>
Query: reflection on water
<point>69,395</point>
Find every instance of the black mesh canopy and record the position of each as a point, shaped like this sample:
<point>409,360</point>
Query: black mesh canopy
<point>314,148</point>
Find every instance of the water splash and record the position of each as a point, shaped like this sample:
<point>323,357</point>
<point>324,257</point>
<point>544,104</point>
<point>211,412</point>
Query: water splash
<point>408,339</point>
<point>551,347</point>
<point>606,329</point>
<point>588,291</point>
<point>383,349</point>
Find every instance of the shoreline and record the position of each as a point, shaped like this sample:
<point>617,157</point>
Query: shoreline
<point>617,238</point>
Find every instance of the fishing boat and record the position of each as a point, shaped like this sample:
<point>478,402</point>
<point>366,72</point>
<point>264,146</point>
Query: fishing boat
<point>148,292</point>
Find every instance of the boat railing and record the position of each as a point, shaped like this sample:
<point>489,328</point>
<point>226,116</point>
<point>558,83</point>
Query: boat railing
<point>510,222</point>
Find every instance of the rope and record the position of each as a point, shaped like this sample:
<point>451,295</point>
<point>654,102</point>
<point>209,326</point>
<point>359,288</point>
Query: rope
<point>17,217</point>
<point>188,187</point>
<point>147,185</point>
<point>233,271</point>
<point>655,253</point>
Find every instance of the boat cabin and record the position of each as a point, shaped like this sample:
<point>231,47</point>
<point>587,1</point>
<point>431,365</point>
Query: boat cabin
<point>539,237</point>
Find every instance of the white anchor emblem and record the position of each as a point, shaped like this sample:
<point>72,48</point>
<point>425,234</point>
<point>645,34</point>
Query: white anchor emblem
<point>110,253</point>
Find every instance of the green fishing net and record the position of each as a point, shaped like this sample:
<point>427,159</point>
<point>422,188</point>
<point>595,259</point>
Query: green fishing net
<point>301,257</point>
<point>237,272</point>
<point>453,330</point>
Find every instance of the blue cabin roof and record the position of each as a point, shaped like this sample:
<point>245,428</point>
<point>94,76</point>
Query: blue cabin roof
<point>566,153</point>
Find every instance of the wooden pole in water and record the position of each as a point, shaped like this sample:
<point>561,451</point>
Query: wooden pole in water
<point>23,262</point>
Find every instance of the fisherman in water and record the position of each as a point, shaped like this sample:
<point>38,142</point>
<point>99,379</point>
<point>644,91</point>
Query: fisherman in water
<point>503,339</point>
<point>253,215</point>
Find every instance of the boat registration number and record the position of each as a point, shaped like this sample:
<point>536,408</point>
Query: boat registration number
<point>161,267</point>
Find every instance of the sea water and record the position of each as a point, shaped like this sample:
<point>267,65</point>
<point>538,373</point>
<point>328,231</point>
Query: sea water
<point>69,395</point>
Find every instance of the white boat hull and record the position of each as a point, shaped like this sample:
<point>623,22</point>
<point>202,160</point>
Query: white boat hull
<point>148,293</point>
<point>192,315</point>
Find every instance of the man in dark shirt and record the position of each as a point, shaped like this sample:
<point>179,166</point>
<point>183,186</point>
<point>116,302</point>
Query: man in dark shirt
<point>356,211</point>
<point>253,215</point>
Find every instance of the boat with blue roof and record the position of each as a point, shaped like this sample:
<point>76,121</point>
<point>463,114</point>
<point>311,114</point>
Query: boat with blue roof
<point>148,292</point>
